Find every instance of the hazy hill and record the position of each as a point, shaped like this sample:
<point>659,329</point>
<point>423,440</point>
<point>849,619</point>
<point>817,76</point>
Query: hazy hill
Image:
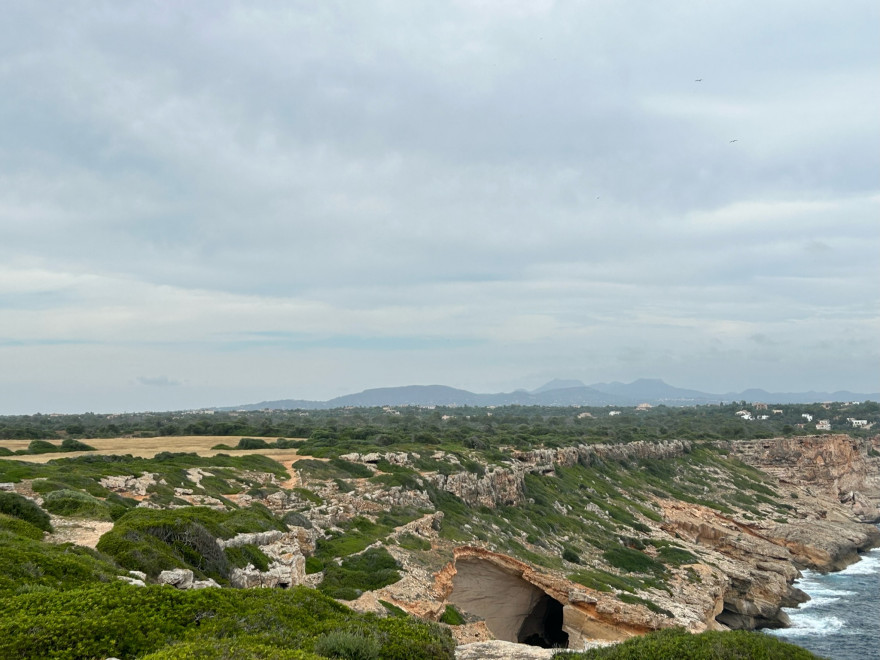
<point>556,393</point>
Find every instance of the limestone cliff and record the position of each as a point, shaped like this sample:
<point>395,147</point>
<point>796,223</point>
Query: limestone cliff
<point>846,468</point>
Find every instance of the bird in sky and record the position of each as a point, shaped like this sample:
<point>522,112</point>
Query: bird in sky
<point>698,80</point>
<point>734,140</point>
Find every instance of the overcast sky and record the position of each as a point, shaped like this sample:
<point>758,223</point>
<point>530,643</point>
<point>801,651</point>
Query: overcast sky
<point>213,203</point>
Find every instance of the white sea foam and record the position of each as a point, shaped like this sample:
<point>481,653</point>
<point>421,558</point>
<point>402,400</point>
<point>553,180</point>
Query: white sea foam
<point>823,592</point>
<point>869,565</point>
<point>815,601</point>
<point>808,625</point>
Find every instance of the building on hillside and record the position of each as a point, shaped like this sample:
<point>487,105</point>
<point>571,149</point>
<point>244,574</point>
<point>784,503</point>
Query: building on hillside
<point>807,416</point>
<point>760,406</point>
<point>644,406</point>
<point>857,423</point>
<point>823,425</point>
<point>614,412</point>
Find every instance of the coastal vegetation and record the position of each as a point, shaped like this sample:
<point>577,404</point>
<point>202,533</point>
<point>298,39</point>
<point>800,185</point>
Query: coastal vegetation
<point>369,501</point>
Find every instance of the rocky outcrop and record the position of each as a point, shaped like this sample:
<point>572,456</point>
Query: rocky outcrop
<point>825,545</point>
<point>760,562</point>
<point>505,485</point>
<point>288,567</point>
<point>134,486</point>
<point>544,460</point>
<point>846,468</point>
<point>497,487</point>
<point>182,578</point>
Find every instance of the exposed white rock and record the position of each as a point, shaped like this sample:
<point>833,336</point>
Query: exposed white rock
<point>179,578</point>
<point>125,483</point>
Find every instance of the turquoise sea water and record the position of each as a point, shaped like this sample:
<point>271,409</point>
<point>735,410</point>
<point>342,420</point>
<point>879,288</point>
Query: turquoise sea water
<point>842,619</point>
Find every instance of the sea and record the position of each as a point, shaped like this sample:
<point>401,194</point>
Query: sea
<point>841,620</point>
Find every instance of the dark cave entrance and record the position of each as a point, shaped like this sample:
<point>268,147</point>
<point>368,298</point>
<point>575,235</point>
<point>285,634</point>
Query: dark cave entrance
<point>543,625</point>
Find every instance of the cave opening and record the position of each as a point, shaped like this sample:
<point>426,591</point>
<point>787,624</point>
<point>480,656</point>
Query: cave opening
<point>543,625</point>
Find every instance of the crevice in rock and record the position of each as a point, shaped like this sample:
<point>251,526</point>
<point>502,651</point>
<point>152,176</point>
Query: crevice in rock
<point>543,625</point>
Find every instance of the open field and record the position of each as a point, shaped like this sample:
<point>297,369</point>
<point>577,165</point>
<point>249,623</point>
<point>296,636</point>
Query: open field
<point>149,447</point>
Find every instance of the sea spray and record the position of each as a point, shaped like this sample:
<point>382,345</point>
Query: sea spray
<point>841,619</point>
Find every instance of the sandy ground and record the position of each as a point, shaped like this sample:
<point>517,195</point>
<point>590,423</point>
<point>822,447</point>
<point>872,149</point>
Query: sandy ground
<point>149,447</point>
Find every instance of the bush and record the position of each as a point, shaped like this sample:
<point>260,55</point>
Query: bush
<point>207,624</point>
<point>252,443</point>
<point>451,616</point>
<point>313,565</point>
<point>76,504</point>
<point>348,645</point>
<point>677,644</point>
<point>17,506</point>
<point>156,540</point>
<point>570,555</point>
<point>371,570</point>
<point>633,561</point>
<point>20,527</point>
<point>69,444</point>
<point>42,447</point>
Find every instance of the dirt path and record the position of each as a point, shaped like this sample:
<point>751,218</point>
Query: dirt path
<point>78,531</point>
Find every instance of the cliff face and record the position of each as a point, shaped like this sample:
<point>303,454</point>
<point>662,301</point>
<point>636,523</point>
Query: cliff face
<point>847,469</point>
<point>505,486</point>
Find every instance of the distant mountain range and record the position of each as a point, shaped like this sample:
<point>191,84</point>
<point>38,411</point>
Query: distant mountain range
<point>554,393</point>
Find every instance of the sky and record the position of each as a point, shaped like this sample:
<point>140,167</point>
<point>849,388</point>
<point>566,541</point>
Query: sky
<point>215,203</point>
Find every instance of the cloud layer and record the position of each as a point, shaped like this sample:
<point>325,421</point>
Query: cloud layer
<point>214,203</point>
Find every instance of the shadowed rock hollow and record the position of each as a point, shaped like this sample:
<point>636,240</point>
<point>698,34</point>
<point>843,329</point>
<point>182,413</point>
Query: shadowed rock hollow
<point>514,609</point>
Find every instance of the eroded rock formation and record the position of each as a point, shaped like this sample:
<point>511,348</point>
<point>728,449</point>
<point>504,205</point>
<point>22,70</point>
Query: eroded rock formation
<point>846,468</point>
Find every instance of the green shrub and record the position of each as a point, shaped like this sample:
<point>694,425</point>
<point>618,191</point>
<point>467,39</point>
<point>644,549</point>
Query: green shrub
<point>43,486</point>
<point>240,648</point>
<point>413,542</point>
<point>570,555</point>
<point>156,540</point>
<point>42,447</point>
<point>28,563</point>
<point>348,645</point>
<point>20,527</point>
<point>76,504</point>
<point>17,506</point>
<point>69,444</point>
<point>677,644</point>
<point>370,570</point>
<point>633,561</point>
<point>248,554</point>
<point>252,443</point>
<point>126,622</point>
<point>451,616</point>
<point>313,565</point>
<point>352,469</point>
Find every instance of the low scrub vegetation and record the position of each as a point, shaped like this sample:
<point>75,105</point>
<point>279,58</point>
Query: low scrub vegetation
<point>122,621</point>
<point>677,644</point>
<point>156,540</point>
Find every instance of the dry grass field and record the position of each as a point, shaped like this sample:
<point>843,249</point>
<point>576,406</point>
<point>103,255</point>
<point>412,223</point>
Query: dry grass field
<point>149,447</point>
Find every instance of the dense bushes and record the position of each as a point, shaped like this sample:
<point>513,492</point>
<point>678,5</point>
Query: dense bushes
<point>153,541</point>
<point>17,506</point>
<point>371,570</point>
<point>29,564</point>
<point>76,504</point>
<point>125,622</point>
<point>677,644</point>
